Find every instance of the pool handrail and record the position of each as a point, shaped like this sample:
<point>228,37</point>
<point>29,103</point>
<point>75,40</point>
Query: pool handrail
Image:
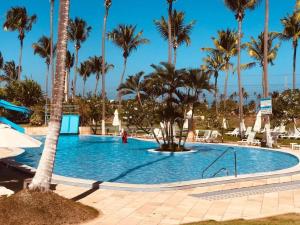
<point>219,157</point>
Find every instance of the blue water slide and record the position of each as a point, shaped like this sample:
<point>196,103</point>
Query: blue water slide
<point>12,125</point>
<point>10,106</point>
<point>70,124</point>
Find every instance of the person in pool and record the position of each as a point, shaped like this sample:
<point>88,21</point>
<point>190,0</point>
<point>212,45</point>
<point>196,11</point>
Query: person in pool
<point>124,137</point>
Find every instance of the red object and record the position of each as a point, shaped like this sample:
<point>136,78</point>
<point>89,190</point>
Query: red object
<point>124,137</point>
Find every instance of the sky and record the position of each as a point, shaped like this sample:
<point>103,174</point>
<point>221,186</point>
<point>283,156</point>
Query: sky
<point>210,17</point>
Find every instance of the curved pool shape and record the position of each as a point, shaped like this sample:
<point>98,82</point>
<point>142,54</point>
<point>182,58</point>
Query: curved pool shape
<point>107,159</point>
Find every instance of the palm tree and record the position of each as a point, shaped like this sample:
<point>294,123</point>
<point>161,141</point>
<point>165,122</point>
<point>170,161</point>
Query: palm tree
<point>51,42</point>
<point>133,86</point>
<point>239,7</point>
<point>96,68</point>
<point>107,5</point>
<point>84,71</point>
<point>181,31</point>
<point>78,32</point>
<point>69,64</point>
<point>213,64</point>
<point>226,42</point>
<point>17,19</point>
<point>297,10</point>
<point>43,49</point>
<point>10,71</point>
<point>43,175</point>
<point>170,10</point>
<point>124,37</point>
<point>1,61</point>
<point>291,31</point>
<point>256,51</point>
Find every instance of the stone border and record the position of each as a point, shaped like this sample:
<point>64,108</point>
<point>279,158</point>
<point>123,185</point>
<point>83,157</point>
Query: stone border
<point>57,179</point>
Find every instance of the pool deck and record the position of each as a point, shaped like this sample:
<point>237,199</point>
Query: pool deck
<point>248,197</point>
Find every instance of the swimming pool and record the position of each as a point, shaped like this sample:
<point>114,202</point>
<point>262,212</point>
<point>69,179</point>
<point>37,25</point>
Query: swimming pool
<point>107,159</point>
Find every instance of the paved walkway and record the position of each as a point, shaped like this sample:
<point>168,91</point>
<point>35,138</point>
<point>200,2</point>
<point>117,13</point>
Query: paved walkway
<point>183,206</point>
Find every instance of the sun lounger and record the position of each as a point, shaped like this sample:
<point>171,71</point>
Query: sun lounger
<point>235,132</point>
<point>248,131</point>
<point>205,137</point>
<point>214,135</point>
<point>250,140</point>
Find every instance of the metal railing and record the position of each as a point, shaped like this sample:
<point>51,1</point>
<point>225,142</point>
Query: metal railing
<point>222,169</point>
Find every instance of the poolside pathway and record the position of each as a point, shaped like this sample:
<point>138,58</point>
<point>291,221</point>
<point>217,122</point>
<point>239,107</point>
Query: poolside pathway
<point>183,206</point>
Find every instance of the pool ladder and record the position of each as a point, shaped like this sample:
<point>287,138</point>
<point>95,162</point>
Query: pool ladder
<point>222,169</point>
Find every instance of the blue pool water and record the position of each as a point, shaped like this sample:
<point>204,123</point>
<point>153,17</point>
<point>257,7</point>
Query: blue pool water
<point>107,159</point>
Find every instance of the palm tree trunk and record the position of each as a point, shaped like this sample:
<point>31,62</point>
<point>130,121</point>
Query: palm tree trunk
<point>46,90</point>
<point>241,116</point>
<point>175,56</point>
<point>268,137</point>
<point>67,85</point>
<point>51,43</point>
<point>170,32</point>
<point>20,60</point>
<point>295,45</point>
<point>216,95</point>
<point>225,88</point>
<point>96,86</point>
<point>75,70</point>
<point>83,88</point>
<point>103,72</point>
<point>121,81</point>
<point>43,175</point>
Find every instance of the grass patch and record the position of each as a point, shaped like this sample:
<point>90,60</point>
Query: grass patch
<point>288,219</point>
<point>283,141</point>
<point>38,208</point>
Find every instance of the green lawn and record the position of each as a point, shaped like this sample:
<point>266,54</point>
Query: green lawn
<point>288,219</point>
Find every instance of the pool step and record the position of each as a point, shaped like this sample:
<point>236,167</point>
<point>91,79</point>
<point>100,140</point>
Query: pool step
<point>247,191</point>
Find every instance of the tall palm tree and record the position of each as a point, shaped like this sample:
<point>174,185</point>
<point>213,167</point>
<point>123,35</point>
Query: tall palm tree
<point>133,86</point>
<point>69,64</point>
<point>84,71</point>
<point>180,31</point>
<point>125,37</point>
<point>291,31</point>
<point>107,5</point>
<point>213,64</point>
<point>51,42</point>
<point>297,10</point>
<point>43,49</point>
<point>239,7</point>
<point>17,19</point>
<point>1,61</point>
<point>43,175</point>
<point>170,10</point>
<point>256,51</point>
<point>78,32</point>
<point>96,68</point>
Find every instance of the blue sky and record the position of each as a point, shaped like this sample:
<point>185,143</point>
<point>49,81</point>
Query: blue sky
<point>210,16</point>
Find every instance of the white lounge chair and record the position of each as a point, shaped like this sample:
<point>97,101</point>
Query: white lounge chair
<point>235,132</point>
<point>205,137</point>
<point>214,135</point>
<point>248,131</point>
<point>250,140</point>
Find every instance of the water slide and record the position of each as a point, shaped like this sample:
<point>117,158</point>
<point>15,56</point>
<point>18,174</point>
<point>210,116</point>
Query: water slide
<point>70,124</point>
<point>9,106</point>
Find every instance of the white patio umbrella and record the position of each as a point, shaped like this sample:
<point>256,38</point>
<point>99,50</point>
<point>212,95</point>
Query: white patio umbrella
<point>188,117</point>
<point>116,121</point>
<point>10,138</point>
<point>224,124</point>
<point>257,124</point>
<point>243,126</point>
